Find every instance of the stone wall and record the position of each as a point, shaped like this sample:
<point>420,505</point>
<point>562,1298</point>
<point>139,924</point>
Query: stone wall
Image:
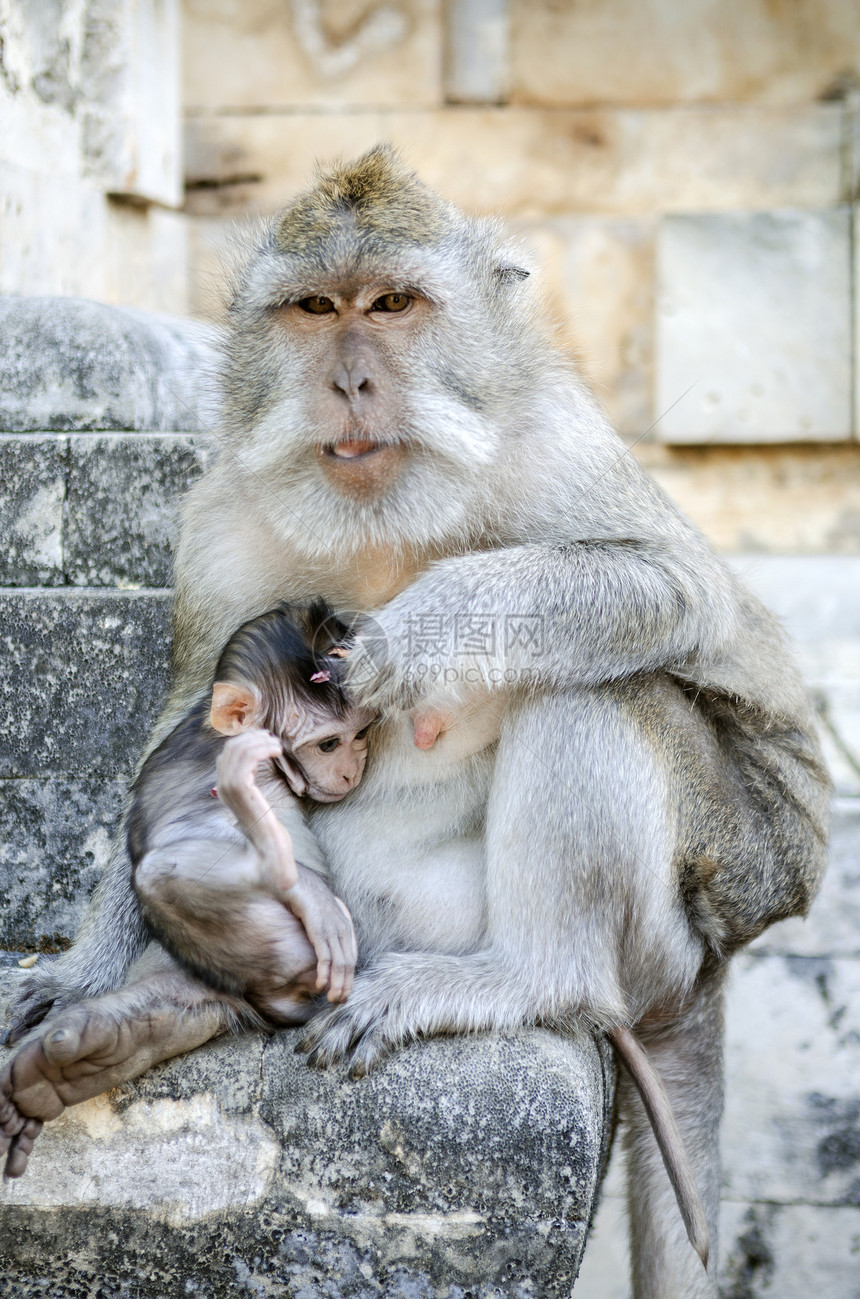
<point>90,151</point>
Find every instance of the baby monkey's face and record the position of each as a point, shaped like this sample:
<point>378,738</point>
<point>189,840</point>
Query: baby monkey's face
<point>324,756</point>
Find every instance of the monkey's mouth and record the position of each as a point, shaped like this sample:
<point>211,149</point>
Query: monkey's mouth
<point>354,449</point>
<point>362,467</point>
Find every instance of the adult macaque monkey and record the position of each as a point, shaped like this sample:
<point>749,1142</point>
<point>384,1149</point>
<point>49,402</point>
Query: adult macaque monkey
<point>626,787</point>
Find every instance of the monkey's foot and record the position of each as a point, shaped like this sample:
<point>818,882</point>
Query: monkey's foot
<point>335,1035</point>
<point>85,1050</point>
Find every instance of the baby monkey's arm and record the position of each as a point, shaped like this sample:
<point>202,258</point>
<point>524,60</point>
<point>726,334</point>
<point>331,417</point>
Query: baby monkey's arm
<point>325,918</point>
<point>275,865</point>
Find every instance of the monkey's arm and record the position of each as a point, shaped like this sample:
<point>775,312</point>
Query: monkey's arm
<point>550,617</point>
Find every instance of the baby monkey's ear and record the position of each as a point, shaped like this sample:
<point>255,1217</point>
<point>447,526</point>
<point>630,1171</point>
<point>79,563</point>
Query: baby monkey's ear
<point>234,708</point>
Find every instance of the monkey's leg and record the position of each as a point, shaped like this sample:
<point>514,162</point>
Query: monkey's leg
<point>85,1049</point>
<point>207,901</point>
<point>585,910</point>
<point>688,1056</point>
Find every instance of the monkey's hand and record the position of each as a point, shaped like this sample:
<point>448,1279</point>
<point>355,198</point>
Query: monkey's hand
<point>43,991</point>
<point>328,926</point>
<point>416,651</point>
<point>237,769</point>
<point>406,995</point>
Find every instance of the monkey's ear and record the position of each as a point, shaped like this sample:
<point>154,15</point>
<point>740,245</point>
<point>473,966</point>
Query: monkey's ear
<point>234,708</point>
<point>507,273</point>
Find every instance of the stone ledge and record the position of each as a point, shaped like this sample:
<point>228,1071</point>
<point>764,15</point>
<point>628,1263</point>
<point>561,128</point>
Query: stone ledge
<point>464,1165</point>
<point>122,497</point>
<point>68,363</point>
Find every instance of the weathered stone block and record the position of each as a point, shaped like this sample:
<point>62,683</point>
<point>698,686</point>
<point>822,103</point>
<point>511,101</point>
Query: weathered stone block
<point>94,510</point>
<point>599,285</point>
<point>790,1250</point>
<point>143,258</point>
<point>782,500</point>
<point>32,488</point>
<point>74,364</point>
<point>627,52</point>
<point>81,679</point>
<point>754,327</point>
<point>61,235</point>
<point>477,51</point>
<point>55,837</point>
<point>816,599</point>
<point>536,164</point>
<point>250,54</point>
<point>464,1165</point>
<point>131,98</point>
<point>791,1131</point>
<point>93,88</point>
<point>121,505</point>
<point>815,596</point>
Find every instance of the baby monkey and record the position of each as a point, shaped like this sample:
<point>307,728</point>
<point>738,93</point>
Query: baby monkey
<point>231,880</point>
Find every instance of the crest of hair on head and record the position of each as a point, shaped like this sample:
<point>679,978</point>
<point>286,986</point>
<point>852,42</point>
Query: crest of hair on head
<point>279,652</point>
<point>376,200</point>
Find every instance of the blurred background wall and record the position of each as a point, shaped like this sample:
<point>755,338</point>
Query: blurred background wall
<point>683,175</point>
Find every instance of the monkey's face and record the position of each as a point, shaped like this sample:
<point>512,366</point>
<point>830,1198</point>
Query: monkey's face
<point>368,398</point>
<point>324,756</point>
<point>356,340</point>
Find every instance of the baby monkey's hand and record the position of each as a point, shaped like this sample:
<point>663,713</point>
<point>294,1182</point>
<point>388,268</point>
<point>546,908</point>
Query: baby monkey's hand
<point>328,925</point>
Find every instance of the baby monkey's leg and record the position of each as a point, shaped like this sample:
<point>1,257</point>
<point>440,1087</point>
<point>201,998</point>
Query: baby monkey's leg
<point>210,903</point>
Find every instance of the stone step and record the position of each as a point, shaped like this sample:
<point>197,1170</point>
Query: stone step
<point>465,1165</point>
<point>94,509</point>
<point>55,839</point>
<point>83,672</point>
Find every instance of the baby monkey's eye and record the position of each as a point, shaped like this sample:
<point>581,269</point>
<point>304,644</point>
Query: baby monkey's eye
<point>392,302</point>
<point>329,746</point>
<point>362,735</point>
<point>317,306</point>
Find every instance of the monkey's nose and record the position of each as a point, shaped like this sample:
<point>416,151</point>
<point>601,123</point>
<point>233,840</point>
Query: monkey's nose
<point>352,379</point>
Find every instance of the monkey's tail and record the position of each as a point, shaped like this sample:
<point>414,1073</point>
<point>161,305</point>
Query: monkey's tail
<point>667,1134</point>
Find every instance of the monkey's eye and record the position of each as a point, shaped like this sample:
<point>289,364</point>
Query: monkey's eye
<point>329,746</point>
<point>362,734</point>
<point>317,306</point>
<point>392,302</point>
